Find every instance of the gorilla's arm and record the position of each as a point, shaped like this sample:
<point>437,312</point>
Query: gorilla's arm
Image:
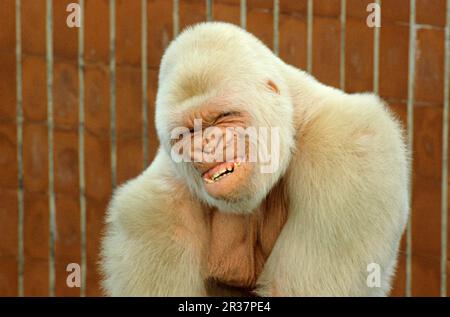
<point>153,240</point>
<point>348,202</point>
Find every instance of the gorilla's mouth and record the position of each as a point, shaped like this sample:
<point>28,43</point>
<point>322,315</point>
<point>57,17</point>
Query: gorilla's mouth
<point>220,171</point>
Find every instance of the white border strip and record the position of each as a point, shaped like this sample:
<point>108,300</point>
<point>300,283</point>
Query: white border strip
<point>376,56</point>
<point>81,167</point>
<point>243,14</point>
<point>343,20</point>
<point>309,54</point>
<point>176,17</point>
<point>444,195</point>
<point>144,81</point>
<point>50,127</point>
<point>276,27</point>
<point>19,118</point>
<point>410,130</point>
<point>112,90</point>
<point>209,10</point>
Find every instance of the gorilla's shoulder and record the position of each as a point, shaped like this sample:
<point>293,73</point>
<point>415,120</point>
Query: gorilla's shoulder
<point>356,128</point>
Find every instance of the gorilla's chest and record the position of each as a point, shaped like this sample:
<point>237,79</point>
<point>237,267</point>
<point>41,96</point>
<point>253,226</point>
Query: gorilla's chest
<point>239,245</point>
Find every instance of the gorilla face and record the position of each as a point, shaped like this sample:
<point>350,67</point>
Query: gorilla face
<point>216,145</point>
<point>221,110</point>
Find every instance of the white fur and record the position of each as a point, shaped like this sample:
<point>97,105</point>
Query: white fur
<point>343,158</point>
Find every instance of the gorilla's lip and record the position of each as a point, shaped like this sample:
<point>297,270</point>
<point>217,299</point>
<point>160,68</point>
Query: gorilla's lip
<point>219,171</point>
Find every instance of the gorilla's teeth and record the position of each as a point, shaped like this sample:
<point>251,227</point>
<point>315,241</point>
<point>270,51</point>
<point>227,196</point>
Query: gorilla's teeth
<point>220,174</point>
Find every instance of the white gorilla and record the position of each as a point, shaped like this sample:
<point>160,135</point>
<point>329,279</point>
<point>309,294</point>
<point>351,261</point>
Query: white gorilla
<point>337,202</point>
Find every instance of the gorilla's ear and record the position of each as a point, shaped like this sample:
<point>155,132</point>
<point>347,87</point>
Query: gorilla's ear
<point>272,86</point>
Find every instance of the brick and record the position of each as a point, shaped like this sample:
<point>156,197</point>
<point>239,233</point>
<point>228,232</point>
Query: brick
<point>297,8</point>
<point>35,278</point>
<point>427,163</point>
<point>357,9</point>
<point>8,29</point>
<point>393,11</point>
<point>65,39</point>
<point>425,276</point>
<point>96,105</point>
<point>93,278</point>
<point>66,162</point>
<point>159,30</point>
<point>227,2</point>
<point>260,20</point>
<point>36,244</point>
<point>262,5</point>
<point>8,157</point>
<point>293,47</point>
<point>129,123</point>
<point>8,86</point>
<point>128,36</point>
<point>68,237</point>
<point>67,242</point>
<point>61,288</point>
<point>9,225</point>
<point>191,12</point>
<point>431,12</point>
<point>34,89</point>
<point>33,15</point>
<point>227,11</point>
<point>96,37</point>
<point>358,56</point>
<point>8,277</point>
<point>36,226</point>
<point>393,69</point>
<point>65,96</point>
<point>326,50</point>
<point>327,8</point>
<point>429,75</point>
<point>129,158</point>
<point>35,157</point>
<point>129,102</point>
<point>95,218</point>
<point>98,171</point>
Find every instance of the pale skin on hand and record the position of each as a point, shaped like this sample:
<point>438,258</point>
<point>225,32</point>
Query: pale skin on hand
<point>337,202</point>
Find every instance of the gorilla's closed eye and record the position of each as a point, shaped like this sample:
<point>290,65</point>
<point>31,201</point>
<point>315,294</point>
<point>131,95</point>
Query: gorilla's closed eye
<point>226,114</point>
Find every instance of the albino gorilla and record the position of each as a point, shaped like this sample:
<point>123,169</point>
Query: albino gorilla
<point>335,201</point>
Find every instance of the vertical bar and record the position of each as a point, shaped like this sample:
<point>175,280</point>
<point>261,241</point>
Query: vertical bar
<point>209,10</point>
<point>376,55</point>
<point>243,14</point>
<point>81,168</point>
<point>112,89</point>
<point>176,17</point>
<point>144,73</point>
<point>276,26</point>
<point>410,129</point>
<point>309,54</point>
<point>343,20</point>
<point>444,195</point>
<point>19,117</point>
<point>51,185</point>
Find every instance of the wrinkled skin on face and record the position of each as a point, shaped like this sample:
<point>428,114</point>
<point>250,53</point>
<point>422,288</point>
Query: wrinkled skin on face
<point>219,147</point>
